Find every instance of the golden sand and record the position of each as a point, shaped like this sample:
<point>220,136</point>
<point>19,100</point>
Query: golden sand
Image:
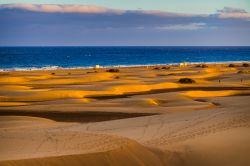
<point>138,116</point>
<point>210,93</point>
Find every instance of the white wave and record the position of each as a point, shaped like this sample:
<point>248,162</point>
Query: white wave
<point>110,66</point>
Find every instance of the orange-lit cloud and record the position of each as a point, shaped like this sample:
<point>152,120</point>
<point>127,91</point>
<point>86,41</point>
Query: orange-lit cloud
<point>51,8</point>
<point>54,8</point>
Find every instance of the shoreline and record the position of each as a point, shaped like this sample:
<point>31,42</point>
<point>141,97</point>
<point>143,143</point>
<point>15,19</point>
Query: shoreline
<point>54,68</point>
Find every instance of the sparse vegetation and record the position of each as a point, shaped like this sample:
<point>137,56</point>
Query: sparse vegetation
<point>231,65</point>
<point>113,70</point>
<point>186,81</point>
<point>165,68</point>
<point>245,65</point>
<point>198,65</point>
<point>202,65</point>
<point>156,68</point>
<point>53,73</point>
<point>117,77</point>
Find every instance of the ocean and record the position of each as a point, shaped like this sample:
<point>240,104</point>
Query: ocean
<point>32,58</point>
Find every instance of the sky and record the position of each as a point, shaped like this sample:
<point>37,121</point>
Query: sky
<point>122,23</point>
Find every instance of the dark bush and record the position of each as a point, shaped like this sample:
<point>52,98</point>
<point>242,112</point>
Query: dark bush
<point>202,65</point>
<point>117,77</point>
<point>165,67</point>
<point>53,73</point>
<point>231,65</point>
<point>198,65</point>
<point>156,68</point>
<point>186,81</point>
<point>113,70</point>
<point>245,65</point>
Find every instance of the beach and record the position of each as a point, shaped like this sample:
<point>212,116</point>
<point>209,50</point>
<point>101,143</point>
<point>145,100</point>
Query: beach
<point>141,115</point>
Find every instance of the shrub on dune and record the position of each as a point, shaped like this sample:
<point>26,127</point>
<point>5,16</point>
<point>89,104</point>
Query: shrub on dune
<point>202,65</point>
<point>186,81</point>
<point>198,65</point>
<point>245,65</point>
<point>156,68</point>
<point>165,67</point>
<point>231,65</point>
<point>113,70</point>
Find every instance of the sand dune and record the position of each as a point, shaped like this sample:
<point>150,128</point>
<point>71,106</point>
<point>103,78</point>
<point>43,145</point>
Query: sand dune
<point>139,116</point>
<point>131,154</point>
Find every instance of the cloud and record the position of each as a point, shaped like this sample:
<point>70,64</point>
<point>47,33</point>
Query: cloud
<point>226,12</point>
<point>53,8</point>
<point>29,24</point>
<point>168,14</point>
<point>178,27</point>
<point>232,10</point>
<point>236,13</point>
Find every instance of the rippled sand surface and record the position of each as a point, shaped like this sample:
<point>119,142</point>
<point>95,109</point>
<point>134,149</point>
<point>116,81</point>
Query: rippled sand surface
<point>138,116</point>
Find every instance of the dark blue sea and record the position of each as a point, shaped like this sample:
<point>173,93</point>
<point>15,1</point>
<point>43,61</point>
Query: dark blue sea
<point>18,58</point>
